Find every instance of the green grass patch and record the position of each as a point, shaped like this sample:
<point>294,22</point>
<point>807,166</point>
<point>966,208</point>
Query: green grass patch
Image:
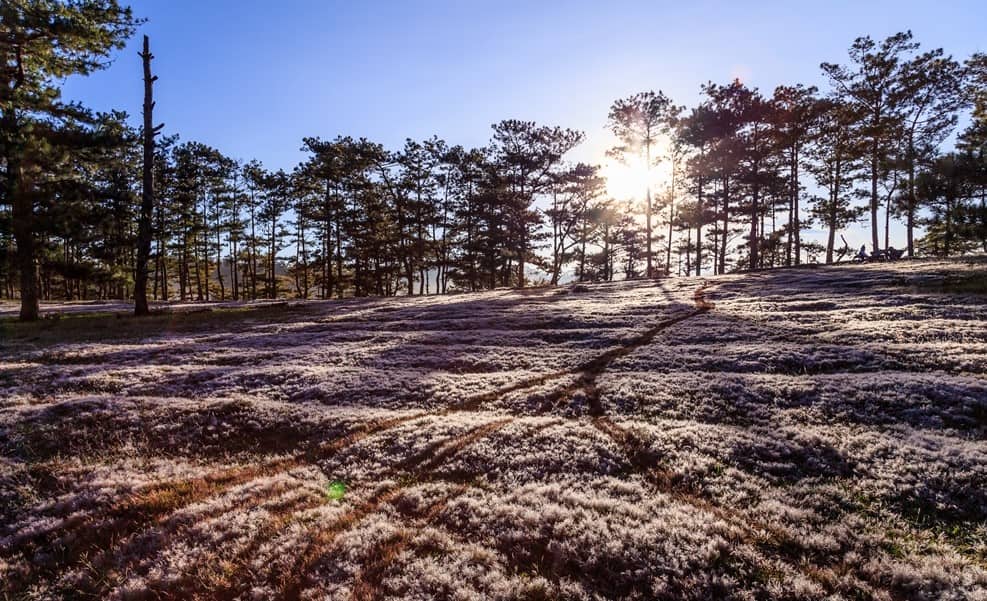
<point>963,531</point>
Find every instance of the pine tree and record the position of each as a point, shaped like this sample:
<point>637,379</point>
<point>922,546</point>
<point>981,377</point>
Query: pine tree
<point>524,155</point>
<point>795,110</point>
<point>835,164</point>
<point>875,86</point>
<point>573,192</point>
<point>468,167</point>
<point>275,200</point>
<point>639,122</point>
<point>42,42</point>
<point>699,132</point>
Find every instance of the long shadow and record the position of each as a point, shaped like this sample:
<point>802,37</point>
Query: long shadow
<point>811,463</point>
<point>432,336</point>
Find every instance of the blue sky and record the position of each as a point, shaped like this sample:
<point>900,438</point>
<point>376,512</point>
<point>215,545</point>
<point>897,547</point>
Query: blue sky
<point>252,78</point>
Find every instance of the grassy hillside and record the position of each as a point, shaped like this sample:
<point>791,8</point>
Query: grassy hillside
<point>792,434</point>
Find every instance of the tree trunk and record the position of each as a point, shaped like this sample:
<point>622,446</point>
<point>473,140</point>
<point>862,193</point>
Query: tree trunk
<point>716,238</point>
<point>219,264</point>
<point>688,250</point>
<point>910,223</point>
<point>520,267</point>
<point>948,238</point>
<point>234,235</point>
<point>699,228</point>
<point>790,242</point>
<point>273,283</point>
<point>144,232</point>
<point>874,201</point>
<point>162,255</point>
<point>339,259</point>
<point>726,224</point>
<point>329,282</point>
<point>647,200</point>
<point>833,197</point>
<point>183,280</point>
<point>755,209</point>
<point>671,217</point>
<point>650,269</point>
<point>796,221</point>
<point>830,242</point>
<point>252,250</point>
<point>887,223</point>
<point>22,215</point>
<point>304,261</point>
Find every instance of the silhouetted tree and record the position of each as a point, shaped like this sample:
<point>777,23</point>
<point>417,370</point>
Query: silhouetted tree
<point>524,155</point>
<point>795,111</point>
<point>835,164</point>
<point>875,85</point>
<point>574,191</point>
<point>933,86</point>
<point>144,228</point>
<point>638,122</point>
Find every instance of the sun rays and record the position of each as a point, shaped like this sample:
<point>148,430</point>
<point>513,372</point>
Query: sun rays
<point>630,179</point>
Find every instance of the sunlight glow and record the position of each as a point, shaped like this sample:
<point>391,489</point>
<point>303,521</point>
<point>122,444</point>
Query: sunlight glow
<point>629,179</point>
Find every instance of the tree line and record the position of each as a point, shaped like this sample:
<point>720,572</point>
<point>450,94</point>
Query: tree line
<point>92,207</point>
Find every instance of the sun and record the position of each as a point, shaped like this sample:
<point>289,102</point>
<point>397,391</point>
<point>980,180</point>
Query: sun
<point>629,180</point>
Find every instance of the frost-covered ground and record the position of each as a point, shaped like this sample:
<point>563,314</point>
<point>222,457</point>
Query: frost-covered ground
<point>793,434</point>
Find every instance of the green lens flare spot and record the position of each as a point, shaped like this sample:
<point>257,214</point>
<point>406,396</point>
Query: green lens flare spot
<point>336,490</point>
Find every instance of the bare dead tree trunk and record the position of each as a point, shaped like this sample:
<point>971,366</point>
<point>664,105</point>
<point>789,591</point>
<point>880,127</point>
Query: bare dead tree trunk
<point>144,230</point>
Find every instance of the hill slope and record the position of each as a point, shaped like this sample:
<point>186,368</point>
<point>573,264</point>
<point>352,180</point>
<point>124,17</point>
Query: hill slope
<point>809,433</point>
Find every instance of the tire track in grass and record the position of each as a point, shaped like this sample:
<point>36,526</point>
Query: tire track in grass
<point>321,452</point>
<point>226,578</point>
<point>217,575</point>
<point>152,504</point>
<point>108,581</point>
<point>221,577</point>
<point>588,373</point>
<point>321,539</point>
<point>80,536</point>
<point>166,497</point>
<point>779,544</point>
<point>207,574</point>
<point>234,570</point>
<point>475,402</point>
<point>108,572</point>
<point>368,580</point>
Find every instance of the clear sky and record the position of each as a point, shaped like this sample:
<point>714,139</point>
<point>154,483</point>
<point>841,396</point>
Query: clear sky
<point>253,78</point>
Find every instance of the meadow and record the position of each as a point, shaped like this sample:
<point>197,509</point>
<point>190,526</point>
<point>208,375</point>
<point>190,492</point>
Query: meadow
<point>809,433</point>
